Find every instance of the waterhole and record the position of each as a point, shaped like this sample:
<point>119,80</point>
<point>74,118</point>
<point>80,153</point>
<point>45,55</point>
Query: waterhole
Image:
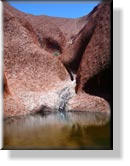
<point>57,130</point>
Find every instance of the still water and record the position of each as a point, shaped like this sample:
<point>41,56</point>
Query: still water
<point>73,130</point>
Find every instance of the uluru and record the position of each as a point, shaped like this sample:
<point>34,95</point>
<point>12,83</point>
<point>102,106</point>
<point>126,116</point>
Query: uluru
<point>56,64</point>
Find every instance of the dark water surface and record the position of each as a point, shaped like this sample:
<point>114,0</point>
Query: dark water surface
<point>73,130</point>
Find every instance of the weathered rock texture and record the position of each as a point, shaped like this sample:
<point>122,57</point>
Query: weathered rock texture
<point>35,77</point>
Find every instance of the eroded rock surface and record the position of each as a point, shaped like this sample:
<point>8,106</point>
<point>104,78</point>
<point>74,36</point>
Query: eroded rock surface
<point>48,60</point>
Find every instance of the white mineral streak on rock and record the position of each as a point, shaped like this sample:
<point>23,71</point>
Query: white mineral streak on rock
<point>52,98</point>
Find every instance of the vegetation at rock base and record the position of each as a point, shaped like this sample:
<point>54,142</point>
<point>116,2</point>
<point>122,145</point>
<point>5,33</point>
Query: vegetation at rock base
<point>56,53</point>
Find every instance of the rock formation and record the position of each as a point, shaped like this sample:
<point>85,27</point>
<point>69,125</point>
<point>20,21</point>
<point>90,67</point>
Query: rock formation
<point>48,61</point>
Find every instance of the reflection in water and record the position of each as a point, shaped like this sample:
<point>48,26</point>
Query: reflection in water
<point>71,130</point>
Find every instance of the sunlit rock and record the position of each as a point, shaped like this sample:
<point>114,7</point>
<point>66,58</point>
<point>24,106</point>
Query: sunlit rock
<point>48,60</point>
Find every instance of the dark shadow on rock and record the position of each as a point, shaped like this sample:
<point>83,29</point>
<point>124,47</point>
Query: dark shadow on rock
<point>100,85</point>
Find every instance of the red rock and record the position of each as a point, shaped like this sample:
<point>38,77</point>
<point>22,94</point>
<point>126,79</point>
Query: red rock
<point>30,70</point>
<point>6,88</point>
<point>86,102</point>
<point>96,56</point>
<point>35,76</point>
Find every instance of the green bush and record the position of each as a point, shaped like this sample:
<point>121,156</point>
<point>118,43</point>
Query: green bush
<point>56,54</point>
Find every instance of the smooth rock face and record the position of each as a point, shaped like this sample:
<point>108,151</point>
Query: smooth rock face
<point>86,102</point>
<point>41,54</point>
